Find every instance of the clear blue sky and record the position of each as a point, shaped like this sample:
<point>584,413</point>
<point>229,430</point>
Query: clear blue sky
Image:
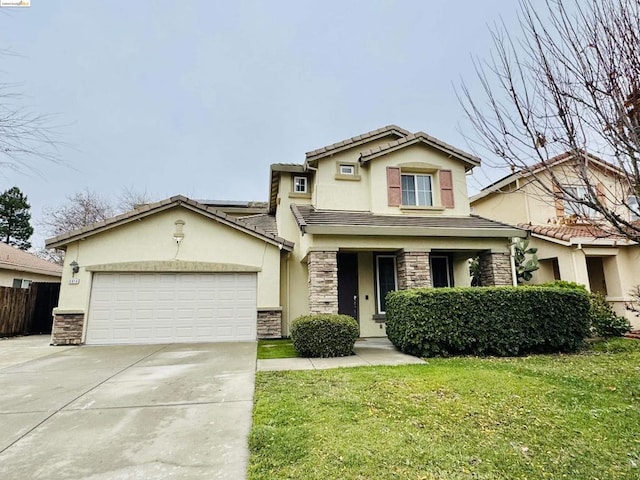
<point>199,97</point>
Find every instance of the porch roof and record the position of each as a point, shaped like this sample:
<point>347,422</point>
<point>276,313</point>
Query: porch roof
<point>340,222</point>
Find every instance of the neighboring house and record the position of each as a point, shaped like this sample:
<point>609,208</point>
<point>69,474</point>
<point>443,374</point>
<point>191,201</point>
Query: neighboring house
<point>573,243</point>
<point>382,211</point>
<point>19,268</point>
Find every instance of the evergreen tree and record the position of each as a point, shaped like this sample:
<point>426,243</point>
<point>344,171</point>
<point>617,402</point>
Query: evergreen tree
<point>15,226</point>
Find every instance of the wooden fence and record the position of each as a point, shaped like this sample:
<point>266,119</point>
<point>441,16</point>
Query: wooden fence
<point>27,310</point>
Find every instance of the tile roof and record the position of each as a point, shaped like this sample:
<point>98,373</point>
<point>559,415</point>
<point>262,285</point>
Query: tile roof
<point>12,258</point>
<point>419,137</point>
<point>357,140</point>
<point>263,221</point>
<point>151,208</point>
<point>568,232</point>
<point>306,215</point>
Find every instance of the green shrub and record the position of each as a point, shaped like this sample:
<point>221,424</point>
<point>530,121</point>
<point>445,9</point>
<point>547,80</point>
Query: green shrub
<point>324,335</point>
<point>604,321</point>
<point>502,321</point>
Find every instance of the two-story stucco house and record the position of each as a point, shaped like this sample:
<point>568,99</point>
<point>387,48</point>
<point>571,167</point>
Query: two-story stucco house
<point>382,211</point>
<point>573,242</point>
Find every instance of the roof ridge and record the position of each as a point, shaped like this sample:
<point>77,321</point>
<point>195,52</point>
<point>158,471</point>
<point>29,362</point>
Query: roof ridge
<point>357,140</point>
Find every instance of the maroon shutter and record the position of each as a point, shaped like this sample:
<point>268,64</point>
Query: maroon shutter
<point>558,200</point>
<point>602,194</point>
<point>446,188</point>
<point>394,191</point>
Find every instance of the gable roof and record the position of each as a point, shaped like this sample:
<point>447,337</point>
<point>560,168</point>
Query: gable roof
<point>355,141</point>
<point>342,222</point>
<point>152,208</point>
<point>416,138</point>
<point>541,166</point>
<point>577,233</point>
<point>12,258</point>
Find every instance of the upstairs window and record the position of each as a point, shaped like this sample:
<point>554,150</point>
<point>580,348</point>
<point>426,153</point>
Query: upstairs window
<point>417,190</point>
<point>571,207</point>
<point>347,169</point>
<point>300,185</point>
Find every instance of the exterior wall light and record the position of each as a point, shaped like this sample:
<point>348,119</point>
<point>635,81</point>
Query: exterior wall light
<point>75,268</point>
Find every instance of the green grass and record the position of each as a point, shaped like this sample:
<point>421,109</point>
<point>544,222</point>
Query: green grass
<point>276,349</point>
<point>551,416</point>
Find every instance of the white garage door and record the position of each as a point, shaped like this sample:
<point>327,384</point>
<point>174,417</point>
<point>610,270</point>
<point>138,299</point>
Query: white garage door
<point>171,307</point>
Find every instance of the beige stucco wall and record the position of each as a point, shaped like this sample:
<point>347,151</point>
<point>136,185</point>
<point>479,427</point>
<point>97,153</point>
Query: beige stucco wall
<point>621,267</point>
<point>7,276</point>
<point>369,193</point>
<point>151,239</point>
<point>531,202</point>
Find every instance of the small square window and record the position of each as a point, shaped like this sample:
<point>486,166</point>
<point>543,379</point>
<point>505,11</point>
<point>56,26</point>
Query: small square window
<point>300,184</point>
<point>347,170</point>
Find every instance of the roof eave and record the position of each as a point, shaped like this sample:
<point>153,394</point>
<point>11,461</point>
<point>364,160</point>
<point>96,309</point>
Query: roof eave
<point>412,231</point>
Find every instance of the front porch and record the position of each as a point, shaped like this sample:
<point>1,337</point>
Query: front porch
<point>355,282</point>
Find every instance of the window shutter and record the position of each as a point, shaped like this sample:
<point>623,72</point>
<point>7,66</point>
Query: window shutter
<point>394,190</point>
<point>446,188</point>
<point>558,200</point>
<point>602,196</point>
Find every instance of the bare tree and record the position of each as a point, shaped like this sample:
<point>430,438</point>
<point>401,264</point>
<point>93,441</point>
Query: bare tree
<point>568,83</point>
<point>81,209</point>
<point>24,134</point>
<point>131,198</point>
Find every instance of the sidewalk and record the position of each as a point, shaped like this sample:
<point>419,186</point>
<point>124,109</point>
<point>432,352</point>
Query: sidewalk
<point>369,352</point>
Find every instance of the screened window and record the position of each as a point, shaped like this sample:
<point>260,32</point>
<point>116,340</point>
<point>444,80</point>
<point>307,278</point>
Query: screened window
<point>385,279</point>
<point>347,170</point>
<point>417,190</point>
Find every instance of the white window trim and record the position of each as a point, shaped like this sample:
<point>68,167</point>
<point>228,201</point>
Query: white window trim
<point>395,279</point>
<point>295,184</point>
<point>415,187</point>
<point>446,257</point>
<point>347,169</point>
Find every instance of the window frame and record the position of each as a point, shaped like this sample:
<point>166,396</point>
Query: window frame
<point>296,179</point>
<point>348,166</point>
<point>379,310</point>
<point>571,207</point>
<point>415,189</point>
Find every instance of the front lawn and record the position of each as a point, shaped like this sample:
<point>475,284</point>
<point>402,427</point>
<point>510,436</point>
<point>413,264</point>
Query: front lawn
<point>552,416</point>
<point>276,349</point>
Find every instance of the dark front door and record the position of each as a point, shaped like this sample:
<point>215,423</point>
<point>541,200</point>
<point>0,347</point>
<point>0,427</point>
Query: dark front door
<point>348,284</point>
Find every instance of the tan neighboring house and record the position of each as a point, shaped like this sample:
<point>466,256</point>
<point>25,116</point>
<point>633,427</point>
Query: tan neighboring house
<point>19,269</point>
<point>382,211</point>
<point>573,243</point>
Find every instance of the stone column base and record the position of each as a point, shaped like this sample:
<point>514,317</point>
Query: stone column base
<point>67,328</point>
<point>269,324</point>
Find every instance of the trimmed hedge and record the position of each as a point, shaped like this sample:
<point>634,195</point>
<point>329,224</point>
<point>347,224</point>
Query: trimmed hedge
<point>603,320</point>
<point>324,335</point>
<point>503,321</point>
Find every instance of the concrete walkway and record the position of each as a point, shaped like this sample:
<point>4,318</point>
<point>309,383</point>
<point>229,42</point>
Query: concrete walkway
<point>125,412</point>
<point>369,352</point>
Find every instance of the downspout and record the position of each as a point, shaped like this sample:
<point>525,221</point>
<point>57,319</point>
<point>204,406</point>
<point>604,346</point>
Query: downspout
<point>512,259</point>
<point>288,292</point>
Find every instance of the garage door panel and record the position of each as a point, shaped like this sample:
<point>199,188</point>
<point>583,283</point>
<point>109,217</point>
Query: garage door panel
<point>165,308</point>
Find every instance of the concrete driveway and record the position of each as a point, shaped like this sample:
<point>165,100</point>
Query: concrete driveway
<point>116,412</point>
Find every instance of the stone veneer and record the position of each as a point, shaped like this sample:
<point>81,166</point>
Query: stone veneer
<point>323,282</point>
<point>495,269</point>
<point>67,329</point>
<point>413,270</point>
<point>269,324</point>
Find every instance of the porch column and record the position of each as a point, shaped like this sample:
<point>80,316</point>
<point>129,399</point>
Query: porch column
<point>495,269</point>
<point>323,281</point>
<point>413,270</point>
